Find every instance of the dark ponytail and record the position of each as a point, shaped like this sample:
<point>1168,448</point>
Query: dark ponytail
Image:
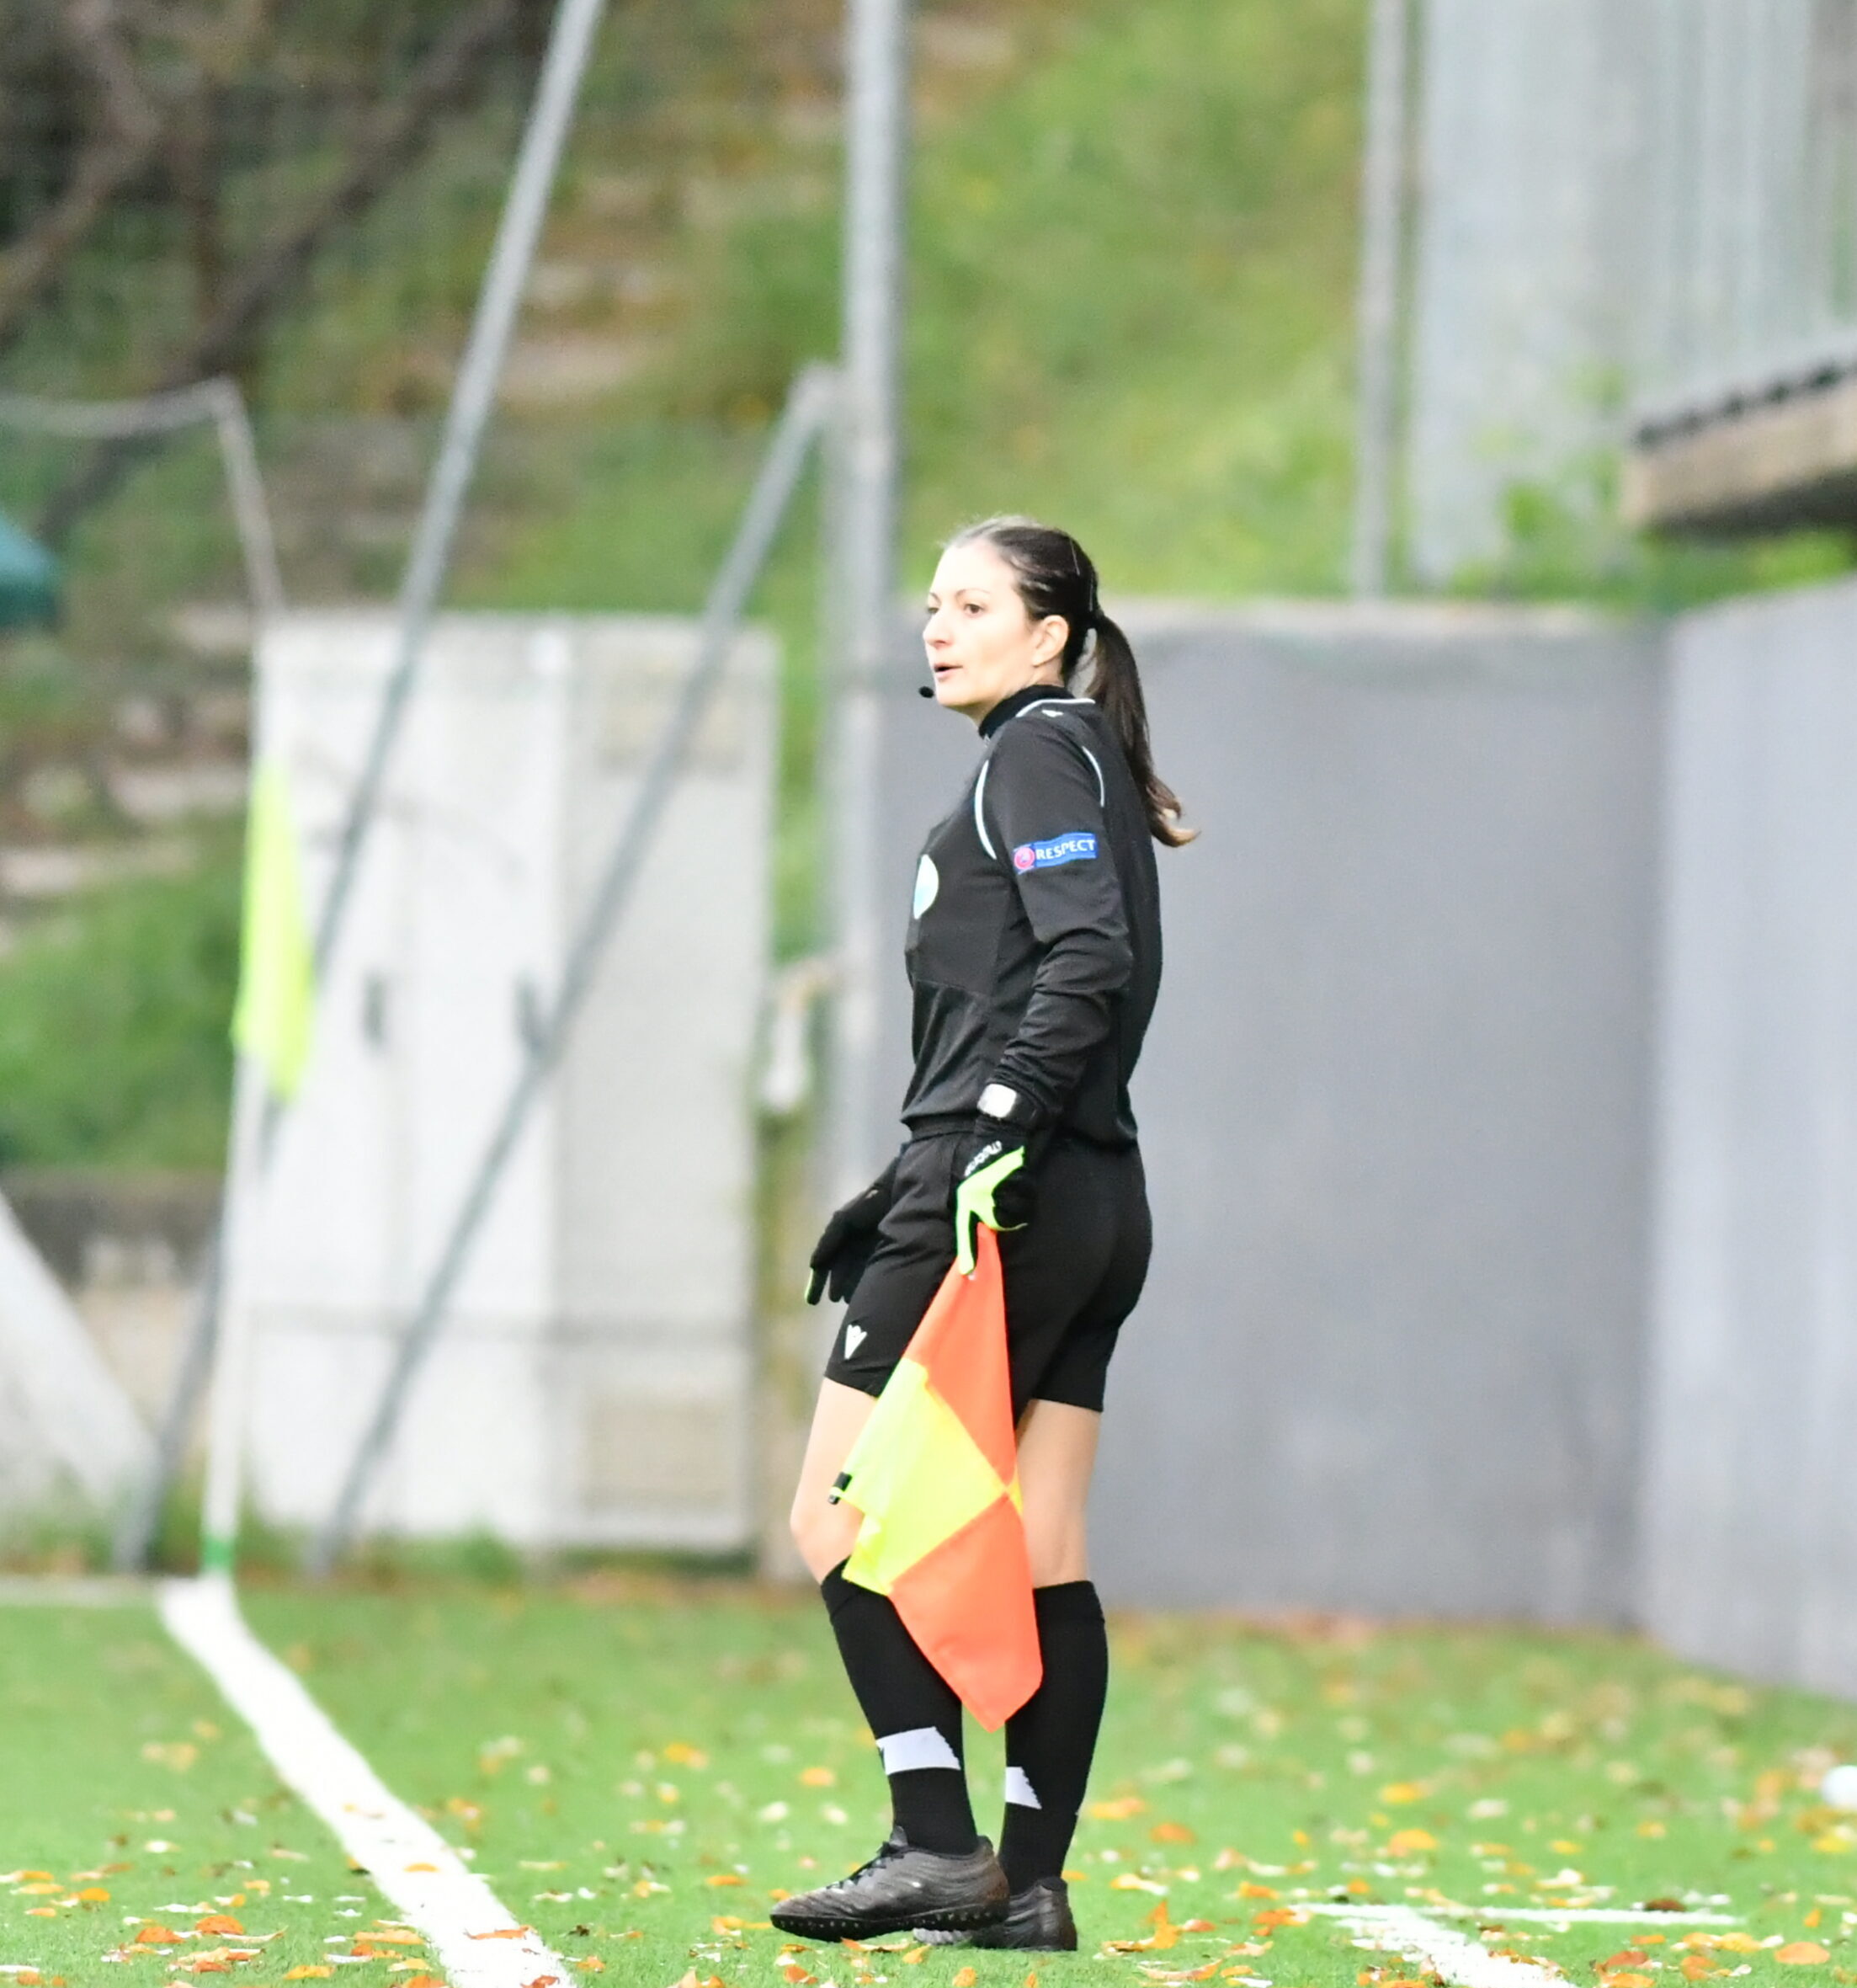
<point>1056,576</point>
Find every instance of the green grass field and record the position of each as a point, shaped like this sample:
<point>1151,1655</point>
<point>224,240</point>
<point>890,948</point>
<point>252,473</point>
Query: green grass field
<point>640,1769</point>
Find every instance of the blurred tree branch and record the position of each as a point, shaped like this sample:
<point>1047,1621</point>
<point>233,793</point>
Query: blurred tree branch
<point>130,127</point>
<point>248,298</point>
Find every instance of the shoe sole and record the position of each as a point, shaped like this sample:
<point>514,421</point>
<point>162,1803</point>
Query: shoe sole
<point>986,1946</point>
<point>948,1919</point>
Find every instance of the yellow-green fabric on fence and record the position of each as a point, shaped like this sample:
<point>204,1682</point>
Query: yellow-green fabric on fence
<point>275,1016</point>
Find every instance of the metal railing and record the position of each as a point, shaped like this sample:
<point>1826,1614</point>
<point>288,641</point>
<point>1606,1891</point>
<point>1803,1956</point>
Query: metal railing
<point>1751,276</point>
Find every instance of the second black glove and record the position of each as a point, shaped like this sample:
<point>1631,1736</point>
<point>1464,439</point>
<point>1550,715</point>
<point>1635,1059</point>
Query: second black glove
<point>849,1240</point>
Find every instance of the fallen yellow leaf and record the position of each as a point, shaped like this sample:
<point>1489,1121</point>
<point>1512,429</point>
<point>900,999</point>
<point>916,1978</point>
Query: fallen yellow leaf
<point>817,1777</point>
<point>1118,1810</point>
<point>726,1878</point>
<point>1396,1791</point>
<point>1403,1842</point>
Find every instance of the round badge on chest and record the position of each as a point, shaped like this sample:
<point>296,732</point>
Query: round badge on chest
<point>927,884</point>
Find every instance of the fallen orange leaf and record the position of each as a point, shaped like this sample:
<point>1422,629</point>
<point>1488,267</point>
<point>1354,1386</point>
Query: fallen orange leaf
<point>1246,1888</point>
<point>1118,1810</point>
<point>966,1978</point>
<point>1802,1954</point>
<point>1276,1916</point>
<point>1170,1832</point>
<point>1625,1957</point>
<point>422,1867</point>
<point>505,1932</point>
<point>593,1964</point>
<point>218,1922</point>
<point>1698,1967</point>
<point>154,1935</point>
<point>94,1894</point>
<point>726,1878</point>
<point>425,1981</point>
<point>817,1777</point>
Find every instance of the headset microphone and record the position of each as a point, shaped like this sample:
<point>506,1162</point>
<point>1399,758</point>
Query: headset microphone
<point>923,691</point>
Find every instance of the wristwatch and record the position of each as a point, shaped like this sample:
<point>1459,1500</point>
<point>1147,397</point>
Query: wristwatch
<point>1001,1101</point>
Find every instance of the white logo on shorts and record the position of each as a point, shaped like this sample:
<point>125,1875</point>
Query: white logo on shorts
<point>854,1337</point>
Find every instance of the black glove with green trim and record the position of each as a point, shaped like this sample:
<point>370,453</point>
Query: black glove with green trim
<point>993,1180</point>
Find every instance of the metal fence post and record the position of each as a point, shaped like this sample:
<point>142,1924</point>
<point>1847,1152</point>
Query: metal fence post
<point>1382,228</point>
<point>474,395</point>
<point>864,510</point>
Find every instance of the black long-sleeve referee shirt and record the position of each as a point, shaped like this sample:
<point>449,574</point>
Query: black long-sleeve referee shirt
<point>1034,938</point>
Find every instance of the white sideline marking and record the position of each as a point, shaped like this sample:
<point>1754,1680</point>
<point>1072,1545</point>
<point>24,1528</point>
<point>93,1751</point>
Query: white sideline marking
<point>1400,1929</point>
<point>406,1857</point>
<point>1414,1934</point>
<point>1544,1915</point>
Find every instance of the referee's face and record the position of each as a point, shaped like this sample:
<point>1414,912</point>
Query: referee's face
<point>982,645</point>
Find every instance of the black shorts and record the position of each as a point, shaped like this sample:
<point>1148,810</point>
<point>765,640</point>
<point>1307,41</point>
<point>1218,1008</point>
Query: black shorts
<point>1073,1274</point>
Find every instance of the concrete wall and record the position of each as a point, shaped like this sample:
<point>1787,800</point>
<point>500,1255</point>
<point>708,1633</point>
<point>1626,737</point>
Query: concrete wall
<point>593,1384</point>
<point>1396,1106</point>
<point>1751,1512</point>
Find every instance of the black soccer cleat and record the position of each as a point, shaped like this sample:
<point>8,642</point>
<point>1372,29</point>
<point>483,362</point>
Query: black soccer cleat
<point>901,1888</point>
<point>1037,1921</point>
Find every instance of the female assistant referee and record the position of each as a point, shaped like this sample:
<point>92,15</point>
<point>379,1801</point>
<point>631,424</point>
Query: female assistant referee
<point>1034,957</point>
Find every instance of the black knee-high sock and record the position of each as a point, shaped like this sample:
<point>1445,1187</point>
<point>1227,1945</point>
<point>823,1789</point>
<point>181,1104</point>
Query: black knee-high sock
<point>1050,1738</point>
<point>912,1709</point>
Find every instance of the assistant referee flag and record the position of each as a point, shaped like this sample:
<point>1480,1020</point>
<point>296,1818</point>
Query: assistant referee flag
<point>935,1474</point>
<point>276,1010</point>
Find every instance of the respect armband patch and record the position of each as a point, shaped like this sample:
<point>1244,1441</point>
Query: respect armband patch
<point>1074,848</point>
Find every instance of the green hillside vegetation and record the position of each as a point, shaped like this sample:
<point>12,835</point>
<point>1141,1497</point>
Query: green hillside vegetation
<point>1132,241</point>
<point>1131,267</point>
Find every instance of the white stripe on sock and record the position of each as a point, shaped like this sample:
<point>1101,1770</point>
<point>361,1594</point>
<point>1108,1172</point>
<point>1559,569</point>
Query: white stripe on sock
<point>1020,1790</point>
<point>903,1753</point>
